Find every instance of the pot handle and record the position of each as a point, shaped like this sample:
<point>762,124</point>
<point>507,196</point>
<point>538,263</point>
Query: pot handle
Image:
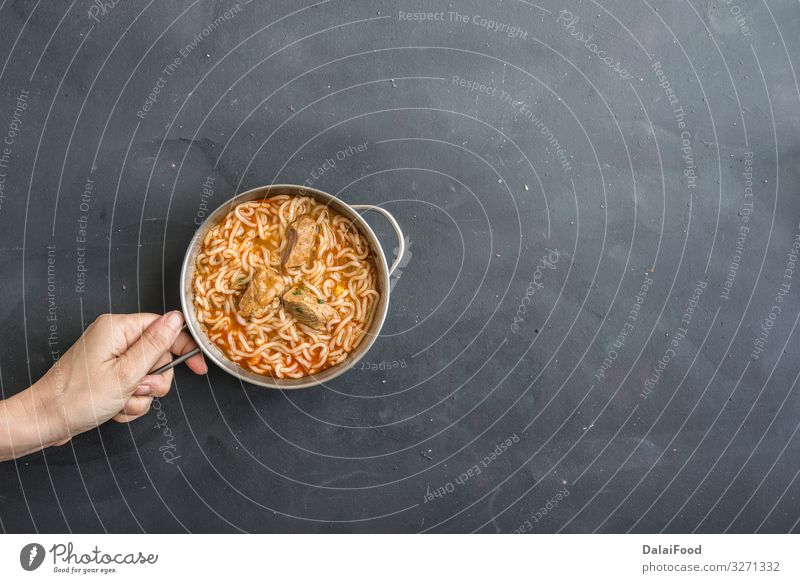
<point>393,222</point>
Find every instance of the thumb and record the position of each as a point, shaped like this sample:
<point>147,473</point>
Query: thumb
<point>158,337</point>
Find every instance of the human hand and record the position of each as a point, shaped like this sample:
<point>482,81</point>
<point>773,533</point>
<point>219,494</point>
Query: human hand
<point>104,376</point>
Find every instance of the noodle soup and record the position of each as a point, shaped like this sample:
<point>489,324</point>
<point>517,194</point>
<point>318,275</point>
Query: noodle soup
<point>284,286</point>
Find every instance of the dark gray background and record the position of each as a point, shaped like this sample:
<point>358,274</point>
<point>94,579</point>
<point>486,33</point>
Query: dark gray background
<point>476,182</point>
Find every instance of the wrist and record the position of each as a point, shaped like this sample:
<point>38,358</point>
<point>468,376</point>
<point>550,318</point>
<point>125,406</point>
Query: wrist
<point>45,411</point>
<point>29,421</point>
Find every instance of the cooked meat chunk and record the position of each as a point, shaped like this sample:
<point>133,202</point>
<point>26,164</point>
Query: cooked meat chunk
<point>307,308</point>
<point>263,293</point>
<point>301,236</point>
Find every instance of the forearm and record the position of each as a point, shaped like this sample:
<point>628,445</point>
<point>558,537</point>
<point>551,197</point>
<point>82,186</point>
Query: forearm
<point>26,424</point>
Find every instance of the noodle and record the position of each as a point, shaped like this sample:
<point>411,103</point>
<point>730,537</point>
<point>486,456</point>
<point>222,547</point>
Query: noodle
<point>339,272</point>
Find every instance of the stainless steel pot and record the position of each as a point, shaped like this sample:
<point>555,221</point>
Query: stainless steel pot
<point>383,270</point>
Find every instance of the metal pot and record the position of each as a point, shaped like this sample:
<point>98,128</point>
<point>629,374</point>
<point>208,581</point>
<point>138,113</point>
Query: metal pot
<point>383,271</point>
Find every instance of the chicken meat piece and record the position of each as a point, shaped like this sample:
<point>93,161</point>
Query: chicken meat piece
<point>308,308</point>
<point>301,236</point>
<point>263,293</point>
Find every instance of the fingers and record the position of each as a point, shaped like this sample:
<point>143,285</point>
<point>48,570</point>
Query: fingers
<point>165,359</point>
<point>134,408</point>
<point>114,334</point>
<point>123,418</point>
<point>185,344</point>
<point>154,385</point>
<point>145,352</point>
<point>137,406</point>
